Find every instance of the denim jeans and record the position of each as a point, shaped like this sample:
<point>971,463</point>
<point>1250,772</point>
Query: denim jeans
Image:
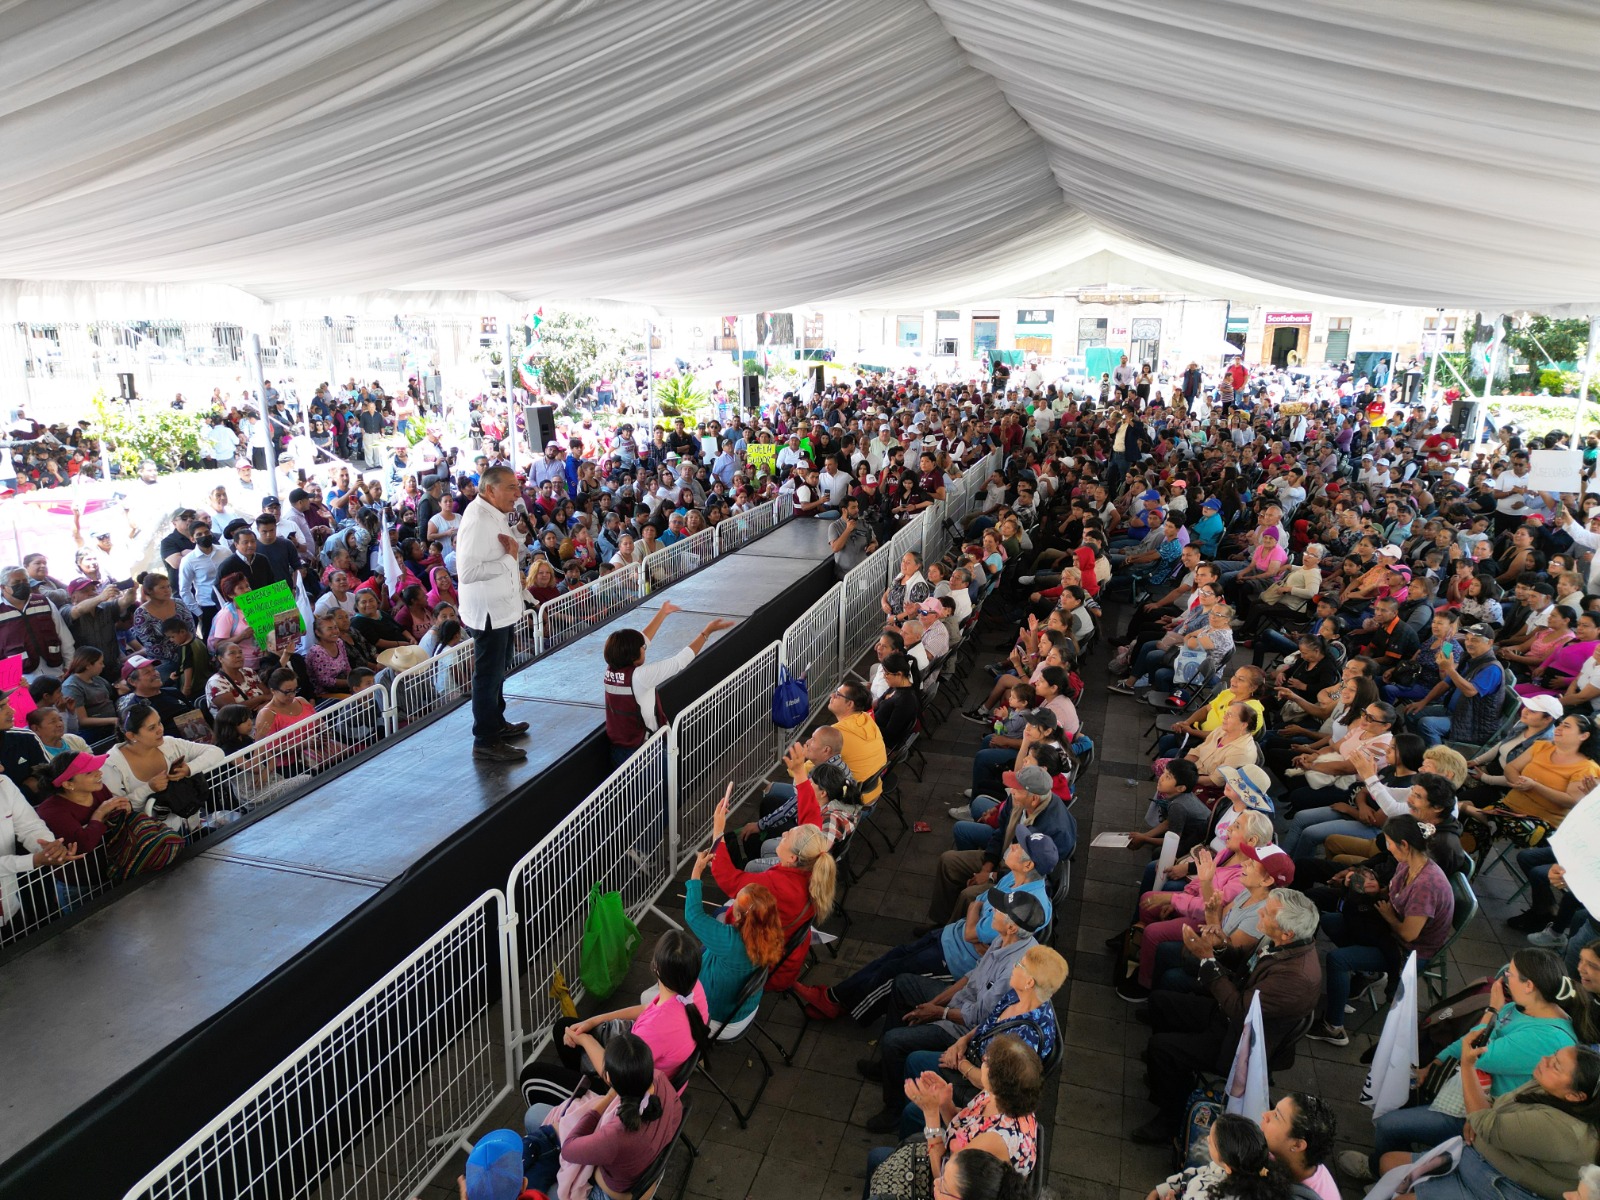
<point>541,1156</point>
<point>1407,1128</point>
<point>1307,831</point>
<point>1474,1179</point>
<point>1433,724</point>
<point>974,834</point>
<point>491,665</point>
<point>1346,960</point>
<point>988,768</point>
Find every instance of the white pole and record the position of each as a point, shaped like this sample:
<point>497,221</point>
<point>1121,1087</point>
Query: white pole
<point>1433,357</point>
<point>252,350</point>
<point>511,404</point>
<point>1583,384</point>
<point>650,368</point>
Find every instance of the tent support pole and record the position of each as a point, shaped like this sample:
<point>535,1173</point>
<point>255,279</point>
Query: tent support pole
<point>1583,383</point>
<point>258,381</point>
<point>511,403</point>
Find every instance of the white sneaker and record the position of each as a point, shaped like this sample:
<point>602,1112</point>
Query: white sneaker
<point>961,812</point>
<point>1353,1165</point>
<point>1549,938</point>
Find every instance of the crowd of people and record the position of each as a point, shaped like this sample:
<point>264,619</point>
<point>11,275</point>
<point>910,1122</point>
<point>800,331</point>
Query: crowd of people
<point>1378,649</point>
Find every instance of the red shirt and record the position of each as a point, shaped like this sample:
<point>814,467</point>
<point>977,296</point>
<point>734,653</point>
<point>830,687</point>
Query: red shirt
<point>790,887</point>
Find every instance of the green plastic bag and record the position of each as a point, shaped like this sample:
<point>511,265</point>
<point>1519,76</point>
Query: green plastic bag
<point>609,940</point>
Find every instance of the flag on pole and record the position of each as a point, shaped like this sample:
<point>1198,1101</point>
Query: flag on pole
<point>391,564</point>
<point>1247,1082</point>
<point>1389,1082</point>
<point>303,603</point>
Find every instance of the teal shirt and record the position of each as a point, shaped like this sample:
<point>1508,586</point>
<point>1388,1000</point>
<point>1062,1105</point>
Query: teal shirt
<point>1516,1044</point>
<point>724,965</point>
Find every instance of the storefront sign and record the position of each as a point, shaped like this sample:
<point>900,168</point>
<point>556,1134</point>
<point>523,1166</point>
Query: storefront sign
<point>1288,318</point>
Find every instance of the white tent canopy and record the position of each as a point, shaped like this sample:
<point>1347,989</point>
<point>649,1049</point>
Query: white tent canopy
<point>367,155</point>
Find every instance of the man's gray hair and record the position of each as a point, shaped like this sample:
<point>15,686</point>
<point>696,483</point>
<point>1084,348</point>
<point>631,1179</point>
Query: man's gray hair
<point>495,476</point>
<point>1297,914</point>
<point>6,572</point>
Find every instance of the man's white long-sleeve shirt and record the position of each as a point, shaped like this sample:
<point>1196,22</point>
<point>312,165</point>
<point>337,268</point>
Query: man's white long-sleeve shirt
<point>491,585</point>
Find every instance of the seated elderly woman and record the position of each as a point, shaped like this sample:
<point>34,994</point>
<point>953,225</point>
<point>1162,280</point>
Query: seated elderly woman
<point>998,1120</point>
<point>1230,746</point>
<point>1163,915</point>
<point>1328,775</point>
<point>235,683</point>
<point>1244,687</point>
<point>1023,1011</point>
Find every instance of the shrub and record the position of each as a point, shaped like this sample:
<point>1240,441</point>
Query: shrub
<point>136,431</point>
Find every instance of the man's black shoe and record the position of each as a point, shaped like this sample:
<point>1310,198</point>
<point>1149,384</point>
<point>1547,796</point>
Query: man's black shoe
<point>886,1121</point>
<point>512,729</point>
<point>869,1069</point>
<point>498,752</point>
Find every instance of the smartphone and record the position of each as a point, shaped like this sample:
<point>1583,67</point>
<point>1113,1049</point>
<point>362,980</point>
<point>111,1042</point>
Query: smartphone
<point>125,585</point>
<point>1449,650</point>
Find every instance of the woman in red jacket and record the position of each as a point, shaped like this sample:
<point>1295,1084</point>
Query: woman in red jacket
<point>803,883</point>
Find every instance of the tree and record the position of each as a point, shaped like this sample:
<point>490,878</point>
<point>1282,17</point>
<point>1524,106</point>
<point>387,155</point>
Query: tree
<point>1562,341</point>
<point>574,349</point>
<point>136,430</point>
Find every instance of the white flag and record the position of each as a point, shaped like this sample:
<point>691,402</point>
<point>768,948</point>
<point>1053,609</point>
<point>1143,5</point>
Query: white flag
<point>806,389</point>
<point>391,564</point>
<point>303,603</point>
<point>1247,1082</point>
<point>1389,1083</point>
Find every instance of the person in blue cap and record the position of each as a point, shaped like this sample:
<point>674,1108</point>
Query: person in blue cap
<point>1207,531</point>
<point>494,1168</point>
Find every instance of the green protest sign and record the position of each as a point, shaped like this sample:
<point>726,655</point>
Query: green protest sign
<point>262,608</point>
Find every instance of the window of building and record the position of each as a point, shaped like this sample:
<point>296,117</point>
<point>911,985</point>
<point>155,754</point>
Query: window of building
<point>1146,341</point>
<point>1091,333</point>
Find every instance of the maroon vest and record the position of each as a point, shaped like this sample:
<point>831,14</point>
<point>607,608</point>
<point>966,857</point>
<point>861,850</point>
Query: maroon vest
<point>624,722</point>
<point>30,632</point>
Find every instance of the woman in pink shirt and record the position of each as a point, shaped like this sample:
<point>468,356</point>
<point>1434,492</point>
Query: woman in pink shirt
<point>671,1017</point>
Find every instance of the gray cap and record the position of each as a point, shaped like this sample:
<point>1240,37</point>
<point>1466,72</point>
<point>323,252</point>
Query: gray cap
<point>1032,779</point>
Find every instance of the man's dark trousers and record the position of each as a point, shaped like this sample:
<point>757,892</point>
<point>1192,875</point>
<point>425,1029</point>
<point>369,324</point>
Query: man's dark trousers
<point>491,665</point>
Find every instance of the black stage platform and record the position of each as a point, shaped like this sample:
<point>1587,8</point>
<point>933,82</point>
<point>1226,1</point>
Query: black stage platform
<point>132,1027</point>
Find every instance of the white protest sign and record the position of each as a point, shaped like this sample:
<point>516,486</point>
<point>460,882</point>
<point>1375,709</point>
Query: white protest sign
<point>1577,846</point>
<point>1555,470</point>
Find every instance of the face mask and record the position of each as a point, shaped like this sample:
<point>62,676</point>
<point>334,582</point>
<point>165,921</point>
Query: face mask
<point>206,542</point>
<point>19,590</point>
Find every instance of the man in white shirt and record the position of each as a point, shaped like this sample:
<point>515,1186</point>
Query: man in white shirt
<point>1511,495</point>
<point>791,455</point>
<point>491,606</point>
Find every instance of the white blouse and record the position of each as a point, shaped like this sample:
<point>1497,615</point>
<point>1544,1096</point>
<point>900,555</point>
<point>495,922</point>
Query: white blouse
<point>121,781</point>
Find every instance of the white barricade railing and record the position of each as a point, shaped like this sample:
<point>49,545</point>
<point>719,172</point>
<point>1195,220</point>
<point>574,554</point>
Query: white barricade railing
<point>935,537</point>
<point>909,537</point>
<point>617,838</point>
<point>49,893</point>
<point>810,649</point>
<point>785,505</point>
<point>569,617</point>
<point>429,686</point>
<point>745,528</point>
<point>380,1098</point>
<point>861,615</point>
<point>271,769</point>
<point>677,560</point>
<point>527,640</point>
<point>723,737</point>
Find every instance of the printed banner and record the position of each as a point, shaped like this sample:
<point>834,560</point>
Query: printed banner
<point>761,458</point>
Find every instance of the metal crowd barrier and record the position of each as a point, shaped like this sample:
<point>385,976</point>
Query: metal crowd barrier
<point>617,838</point>
<point>429,686</point>
<point>745,528</point>
<point>683,556</point>
<point>723,737</point>
<point>570,616</point>
<point>271,769</point>
<point>35,898</point>
<point>861,615</point>
<point>381,1097</point>
<point>810,650</point>
<point>527,641</point>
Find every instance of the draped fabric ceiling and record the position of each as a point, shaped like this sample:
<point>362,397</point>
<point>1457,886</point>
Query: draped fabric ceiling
<point>350,156</point>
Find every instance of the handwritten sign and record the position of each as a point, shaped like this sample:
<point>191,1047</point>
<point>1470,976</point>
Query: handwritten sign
<point>761,458</point>
<point>1555,470</point>
<point>260,609</point>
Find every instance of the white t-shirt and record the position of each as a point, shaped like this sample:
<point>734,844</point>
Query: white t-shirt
<point>1590,677</point>
<point>443,529</point>
<point>1511,506</point>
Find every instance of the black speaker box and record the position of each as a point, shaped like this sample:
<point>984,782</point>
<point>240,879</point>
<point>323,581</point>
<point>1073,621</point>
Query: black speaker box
<point>750,391</point>
<point>541,423</point>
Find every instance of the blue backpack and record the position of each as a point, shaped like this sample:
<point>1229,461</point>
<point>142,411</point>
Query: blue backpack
<point>791,700</point>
